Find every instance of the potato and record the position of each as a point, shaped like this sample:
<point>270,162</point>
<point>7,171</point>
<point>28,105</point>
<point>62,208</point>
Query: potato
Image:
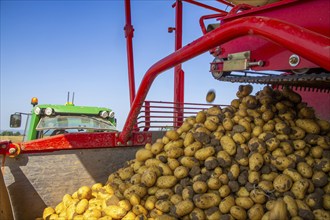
<point>125,173</point>
<point>324,125</point>
<point>82,206</point>
<point>258,196</point>
<point>140,190</point>
<point>297,133</point>
<point>191,149</point>
<point>183,208</point>
<point>316,152</point>
<point>197,214</point>
<point>224,159</point>
<point>156,148</point>
<point>244,90</point>
<point>181,172</point>
<point>163,205</point>
<point>255,212</point>
<point>291,95</point>
<point>304,210</point>
<point>166,181</point>
<point>96,213</point>
<point>204,153</point>
<point>244,202</point>
<point>226,204</point>
<point>128,216</point>
<point>174,152</point>
<point>282,163</point>
<point>172,163</point>
<point>308,125</point>
<point>269,177</point>
<point>293,174</point>
<point>148,178</point>
<point>143,155</point>
<point>265,185</point>
<point>282,183</point>
<point>321,214</point>
<point>228,145</point>
<point>139,210</point>
<point>326,201</point>
<point>256,161</point>
<point>48,212</point>
<point>134,199</point>
<point>201,117</point>
<point>189,161</point>
<point>224,191</point>
<point>278,211</point>
<point>172,135</point>
<point>228,124</point>
<point>299,188</point>
<point>214,110</point>
<point>272,144</point>
<point>210,125</point>
<point>254,177</point>
<point>206,200</point>
<point>200,187</point>
<point>256,145</point>
<point>150,203</point>
<point>239,138</point>
<point>115,212</point>
<point>238,212</point>
<point>173,144</point>
<point>304,169</point>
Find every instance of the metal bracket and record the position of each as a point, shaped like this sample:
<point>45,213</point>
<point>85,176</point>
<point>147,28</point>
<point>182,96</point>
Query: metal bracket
<point>239,61</point>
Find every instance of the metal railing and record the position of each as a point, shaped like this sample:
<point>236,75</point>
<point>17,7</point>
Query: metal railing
<point>160,115</point>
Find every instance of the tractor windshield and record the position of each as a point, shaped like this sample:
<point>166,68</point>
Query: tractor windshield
<point>60,124</point>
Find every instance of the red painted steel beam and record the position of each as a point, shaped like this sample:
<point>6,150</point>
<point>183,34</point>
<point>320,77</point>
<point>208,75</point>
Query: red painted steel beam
<point>303,42</point>
<point>226,3</point>
<point>129,30</point>
<point>201,20</point>
<point>178,72</point>
<point>204,5</point>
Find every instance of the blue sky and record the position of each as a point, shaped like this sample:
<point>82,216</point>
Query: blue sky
<point>51,47</point>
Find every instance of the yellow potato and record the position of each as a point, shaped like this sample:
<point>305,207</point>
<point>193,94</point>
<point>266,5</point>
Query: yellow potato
<point>183,208</point>
<point>143,154</point>
<point>228,145</point>
<point>238,212</point>
<point>308,125</point>
<point>206,200</point>
<point>166,181</point>
<point>226,204</point>
<point>115,212</point>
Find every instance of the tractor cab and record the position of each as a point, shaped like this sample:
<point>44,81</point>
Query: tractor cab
<point>49,120</point>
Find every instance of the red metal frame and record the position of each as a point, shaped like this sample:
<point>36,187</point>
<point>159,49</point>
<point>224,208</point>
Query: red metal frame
<point>297,39</point>
<point>74,141</point>
<point>159,114</point>
<point>129,30</point>
<point>204,6</point>
<point>312,15</point>
<point>178,72</point>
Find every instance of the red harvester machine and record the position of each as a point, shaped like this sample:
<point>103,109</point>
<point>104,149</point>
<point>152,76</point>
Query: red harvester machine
<point>278,43</point>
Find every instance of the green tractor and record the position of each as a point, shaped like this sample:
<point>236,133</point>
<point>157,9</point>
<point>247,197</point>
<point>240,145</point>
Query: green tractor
<point>48,120</point>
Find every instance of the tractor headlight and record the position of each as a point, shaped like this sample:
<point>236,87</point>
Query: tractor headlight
<point>112,114</point>
<point>37,111</point>
<point>104,114</point>
<point>49,111</point>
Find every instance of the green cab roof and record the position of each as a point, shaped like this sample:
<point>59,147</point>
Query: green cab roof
<point>72,109</point>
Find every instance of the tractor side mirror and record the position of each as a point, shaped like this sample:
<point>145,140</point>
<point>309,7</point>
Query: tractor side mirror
<point>15,120</point>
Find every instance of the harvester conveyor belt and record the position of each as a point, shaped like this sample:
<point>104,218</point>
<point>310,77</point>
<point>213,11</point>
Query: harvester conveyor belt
<point>318,81</point>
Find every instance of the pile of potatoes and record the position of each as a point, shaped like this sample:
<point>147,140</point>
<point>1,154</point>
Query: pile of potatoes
<point>265,156</point>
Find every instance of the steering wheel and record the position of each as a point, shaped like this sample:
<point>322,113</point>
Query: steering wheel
<point>58,131</point>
